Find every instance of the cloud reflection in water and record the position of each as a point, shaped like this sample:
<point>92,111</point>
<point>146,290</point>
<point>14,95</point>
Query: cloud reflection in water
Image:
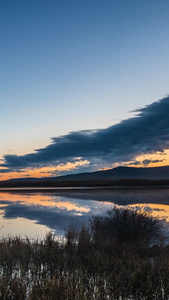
<point>53,211</point>
<point>57,210</point>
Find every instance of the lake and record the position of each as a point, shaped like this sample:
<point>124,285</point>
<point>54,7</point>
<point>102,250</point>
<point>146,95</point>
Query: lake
<point>33,213</point>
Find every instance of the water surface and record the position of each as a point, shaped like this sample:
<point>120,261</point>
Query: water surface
<point>34,213</point>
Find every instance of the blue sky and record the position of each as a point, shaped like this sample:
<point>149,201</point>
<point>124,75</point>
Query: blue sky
<point>77,65</point>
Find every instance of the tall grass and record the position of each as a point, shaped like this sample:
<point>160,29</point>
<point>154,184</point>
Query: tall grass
<point>119,256</point>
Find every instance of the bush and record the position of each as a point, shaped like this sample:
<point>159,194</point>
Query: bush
<point>126,225</point>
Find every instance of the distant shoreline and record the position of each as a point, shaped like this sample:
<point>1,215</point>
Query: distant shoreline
<point>81,189</point>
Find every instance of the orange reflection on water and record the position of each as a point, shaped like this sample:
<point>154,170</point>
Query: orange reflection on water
<point>158,210</point>
<point>43,200</point>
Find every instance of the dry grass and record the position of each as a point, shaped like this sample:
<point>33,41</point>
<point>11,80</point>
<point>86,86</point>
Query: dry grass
<point>97,262</point>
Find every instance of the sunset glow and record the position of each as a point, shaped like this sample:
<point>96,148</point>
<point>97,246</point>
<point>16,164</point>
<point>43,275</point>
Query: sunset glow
<point>84,146</point>
<point>151,160</point>
<point>44,171</point>
<point>147,160</point>
<point>84,87</point>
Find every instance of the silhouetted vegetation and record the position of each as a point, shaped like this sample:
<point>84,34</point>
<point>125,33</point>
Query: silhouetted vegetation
<point>55,183</point>
<point>119,256</point>
<point>126,226</point>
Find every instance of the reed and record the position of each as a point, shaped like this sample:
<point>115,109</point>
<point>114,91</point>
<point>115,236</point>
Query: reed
<point>99,261</point>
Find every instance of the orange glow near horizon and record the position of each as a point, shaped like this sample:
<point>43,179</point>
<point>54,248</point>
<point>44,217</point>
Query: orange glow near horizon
<point>155,160</point>
<point>44,171</point>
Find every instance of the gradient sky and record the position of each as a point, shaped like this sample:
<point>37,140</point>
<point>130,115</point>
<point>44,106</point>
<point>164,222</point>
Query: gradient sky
<point>68,66</point>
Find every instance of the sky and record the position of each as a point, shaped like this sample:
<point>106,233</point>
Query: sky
<point>83,86</point>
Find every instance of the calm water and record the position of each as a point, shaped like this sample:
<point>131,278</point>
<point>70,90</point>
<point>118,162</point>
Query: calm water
<point>34,213</point>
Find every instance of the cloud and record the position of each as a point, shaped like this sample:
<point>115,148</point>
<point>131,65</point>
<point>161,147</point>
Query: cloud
<point>146,132</point>
<point>5,170</point>
<point>135,163</point>
<point>149,161</point>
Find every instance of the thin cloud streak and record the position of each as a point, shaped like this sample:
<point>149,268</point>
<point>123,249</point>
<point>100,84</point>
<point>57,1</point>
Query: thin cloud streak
<point>145,133</point>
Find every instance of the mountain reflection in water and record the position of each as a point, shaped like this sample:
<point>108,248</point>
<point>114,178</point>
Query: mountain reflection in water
<point>35,213</point>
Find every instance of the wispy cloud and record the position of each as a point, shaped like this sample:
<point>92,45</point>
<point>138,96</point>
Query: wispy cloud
<point>146,132</point>
<point>150,161</point>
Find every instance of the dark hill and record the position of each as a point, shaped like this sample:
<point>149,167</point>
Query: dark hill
<point>156,173</point>
<point>117,176</point>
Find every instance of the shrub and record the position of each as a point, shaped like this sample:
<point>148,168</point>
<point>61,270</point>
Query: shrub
<point>126,225</point>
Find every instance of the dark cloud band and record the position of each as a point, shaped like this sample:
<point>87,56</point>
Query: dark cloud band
<point>146,132</point>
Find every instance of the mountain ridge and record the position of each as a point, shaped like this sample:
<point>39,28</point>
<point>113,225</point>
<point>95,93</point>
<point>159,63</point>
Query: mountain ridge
<point>121,174</point>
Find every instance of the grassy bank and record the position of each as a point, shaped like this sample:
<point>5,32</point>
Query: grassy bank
<point>119,256</point>
<point>92,183</point>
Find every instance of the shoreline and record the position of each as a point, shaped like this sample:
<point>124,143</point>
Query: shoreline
<point>69,189</point>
